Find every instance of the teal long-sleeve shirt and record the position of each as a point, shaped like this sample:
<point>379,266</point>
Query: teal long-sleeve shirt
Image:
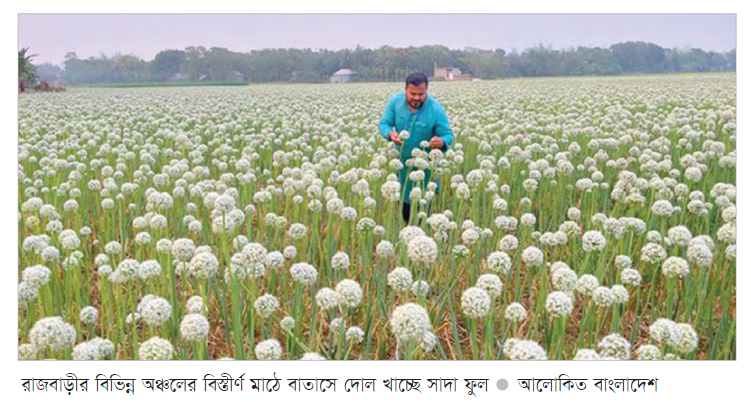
<point>430,120</point>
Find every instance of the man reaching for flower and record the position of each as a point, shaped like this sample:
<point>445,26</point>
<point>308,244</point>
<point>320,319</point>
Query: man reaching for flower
<point>424,118</point>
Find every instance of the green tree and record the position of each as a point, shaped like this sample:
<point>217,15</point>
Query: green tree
<point>49,72</point>
<point>26,70</point>
<point>167,64</point>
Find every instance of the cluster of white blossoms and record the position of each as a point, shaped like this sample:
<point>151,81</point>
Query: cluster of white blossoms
<point>149,269</point>
<point>297,231</point>
<point>564,279</point>
<point>384,250</point>
<point>348,293</point>
<point>269,349</point>
<point>491,284</point>
<point>587,354</point>
<point>194,305</point>
<point>95,349</point>
<point>648,352</point>
<point>312,356</point>
<point>408,233</point>
<point>586,284</point>
<point>422,250</point>
<point>515,312</point>
<point>32,279</point>
<point>266,305</point>
<point>287,323</point>
<point>154,310</point>
<point>52,333</point>
<point>183,249</point>
<point>675,267</point>
<point>354,335</point>
<point>700,254</point>
<point>593,240</point>
<point>653,253</point>
<point>410,322</point>
<point>89,315</point>
<point>204,265</point>
<point>420,289</point>
<point>475,303</point>
<point>603,296</point>
<point>682,337</point>
<point>614,346</point>
<point>559,304</point>
<point>171,191</point>
<point>304,273</point>
<point>399,279</point>
<point>194,328</point>
<point>340,261</point>
<point>532,256</point>
<point>520,349</point>
<point>498,262</point>
<point>156,348</point>
<point>327,299</point>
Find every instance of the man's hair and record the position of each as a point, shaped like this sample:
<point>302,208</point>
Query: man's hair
<point>416,79</point>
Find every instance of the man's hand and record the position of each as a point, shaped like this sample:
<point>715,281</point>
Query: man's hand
<point>395,137</point>
<point>436,143</point>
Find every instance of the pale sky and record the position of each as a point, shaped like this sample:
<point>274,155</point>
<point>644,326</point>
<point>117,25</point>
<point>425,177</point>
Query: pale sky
<point>51,36</point>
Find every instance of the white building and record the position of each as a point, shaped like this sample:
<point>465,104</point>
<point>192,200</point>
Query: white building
<point>342,76</point>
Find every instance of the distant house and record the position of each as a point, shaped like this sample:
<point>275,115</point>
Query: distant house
<point>237,76</point>
<point>450,74</point>
<point>342,76</point>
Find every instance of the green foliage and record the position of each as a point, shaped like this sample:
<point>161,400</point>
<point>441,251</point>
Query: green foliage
<point>26,70</point>
<point>197,64</point>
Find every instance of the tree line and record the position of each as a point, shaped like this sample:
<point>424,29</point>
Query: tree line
<point>216,64</point>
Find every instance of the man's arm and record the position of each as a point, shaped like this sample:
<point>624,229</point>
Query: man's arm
<point>443,128</point>
<point>387,123</point>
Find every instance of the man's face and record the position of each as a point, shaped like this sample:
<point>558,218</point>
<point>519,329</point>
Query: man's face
<point>416,95</point>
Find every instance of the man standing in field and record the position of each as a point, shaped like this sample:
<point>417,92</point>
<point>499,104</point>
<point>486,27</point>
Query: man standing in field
<point>424,118</point>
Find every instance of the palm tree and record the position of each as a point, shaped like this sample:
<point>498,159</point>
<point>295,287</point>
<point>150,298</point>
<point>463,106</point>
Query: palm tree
<point>26,71</point>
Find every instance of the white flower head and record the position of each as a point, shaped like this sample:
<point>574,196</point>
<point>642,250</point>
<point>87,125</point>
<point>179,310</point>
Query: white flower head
<point>326,298</point>
<point>269,349</point>
<point>559,304</point>
<point>586,284</point>
<point>204,265</point>
<point>155,349</point>
<point>515,312</point>
<point>532,256</point>
<point>52,333</point>
<point>89,315</point>
<point>304,273</point>
<point>648,352</point>
<point>614,346</point>
<point>422,250</point>
<point>348,293</point>
<point>663,331</point>
<point>194,328</point>
<point>266,305</point>
<point>686,339</point>
<point>410,322</point>
<point>475,302</point>
<point>420,288</point>
<point>498,262</point>
<point>491,284</point>
<point>587,354</point>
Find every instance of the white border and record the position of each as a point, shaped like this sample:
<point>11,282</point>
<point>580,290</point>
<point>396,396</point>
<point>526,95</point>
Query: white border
<point>676,379</point>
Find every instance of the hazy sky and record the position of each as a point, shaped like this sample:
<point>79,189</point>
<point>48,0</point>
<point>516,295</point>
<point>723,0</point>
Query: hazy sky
<point>52,36</point>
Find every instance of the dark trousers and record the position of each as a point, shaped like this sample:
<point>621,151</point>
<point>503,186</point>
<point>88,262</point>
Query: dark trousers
<point>406,212</point>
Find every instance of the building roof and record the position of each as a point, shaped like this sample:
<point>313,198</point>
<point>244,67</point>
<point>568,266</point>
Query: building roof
<point>344,71</point>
